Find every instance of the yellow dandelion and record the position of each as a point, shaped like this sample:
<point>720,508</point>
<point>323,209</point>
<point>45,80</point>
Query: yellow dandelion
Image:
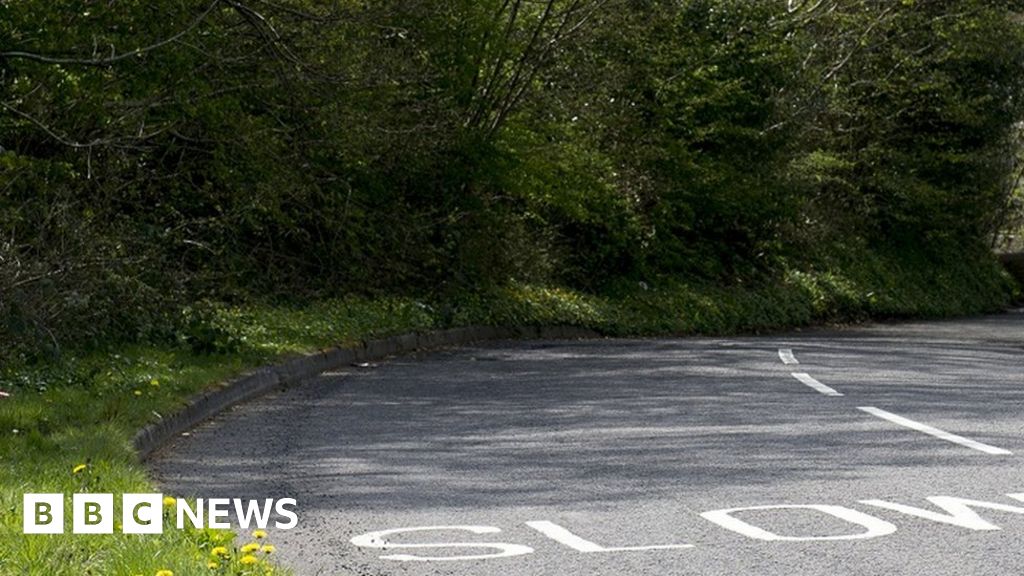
<point>219,551</point>
<point>154,383</point>
<point>268,549</point>
<point>170,501</point>
<point>164,573</point>
<point>259,534</point>
<point>247,560</point>
<point>213,565</point>
<point>138,393</point>
<point>79,468</point>
<point>248,548</point>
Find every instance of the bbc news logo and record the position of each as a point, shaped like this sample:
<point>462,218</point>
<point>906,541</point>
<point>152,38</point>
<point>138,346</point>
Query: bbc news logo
<point>144,513</point>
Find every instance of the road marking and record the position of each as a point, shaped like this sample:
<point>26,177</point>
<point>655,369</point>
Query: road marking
<point>949,510</point>
<point>932,431</point>
<point>808,380</point>
<point>563,536</point>
<point>786,355</point>
<point>873,527</point>
<point>380,540</point>
<point>959,511</point>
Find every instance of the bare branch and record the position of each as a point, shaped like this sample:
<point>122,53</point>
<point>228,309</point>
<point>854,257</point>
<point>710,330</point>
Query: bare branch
<point>112,59</point>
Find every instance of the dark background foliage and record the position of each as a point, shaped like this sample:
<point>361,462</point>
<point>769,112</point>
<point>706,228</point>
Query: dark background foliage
<point>160,153</point>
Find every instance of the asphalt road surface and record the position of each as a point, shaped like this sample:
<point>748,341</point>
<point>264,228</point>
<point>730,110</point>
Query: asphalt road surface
<point>881,450</point>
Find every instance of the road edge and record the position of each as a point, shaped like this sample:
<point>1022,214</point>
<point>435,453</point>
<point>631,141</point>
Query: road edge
<point>290,372</point>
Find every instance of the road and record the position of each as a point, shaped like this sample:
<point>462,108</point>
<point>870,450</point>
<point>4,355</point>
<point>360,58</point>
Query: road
<point>806,453</point>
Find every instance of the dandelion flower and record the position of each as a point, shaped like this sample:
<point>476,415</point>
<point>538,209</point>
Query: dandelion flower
<point>259,534</point>
<point>213,565</point>
<point>247,560</point>
<point>138,393</point>
<point>79,468</point>
<point>164,573</point>
<point>268,549</point>
<point>219,551</point>
<point>154,383</point>
<point>248,548</point>
<point>170,501</point>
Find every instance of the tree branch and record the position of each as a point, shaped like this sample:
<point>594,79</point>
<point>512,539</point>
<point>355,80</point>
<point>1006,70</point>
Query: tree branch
<point>112,59</point>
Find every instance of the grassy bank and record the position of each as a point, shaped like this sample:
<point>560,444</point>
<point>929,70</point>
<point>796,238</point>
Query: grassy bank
<point>67,424</point>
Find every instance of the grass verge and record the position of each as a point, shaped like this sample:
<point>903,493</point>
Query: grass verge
<point>67,424</point>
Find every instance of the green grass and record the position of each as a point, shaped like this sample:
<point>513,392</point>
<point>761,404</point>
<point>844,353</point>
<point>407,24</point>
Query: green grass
<point>85,407</point>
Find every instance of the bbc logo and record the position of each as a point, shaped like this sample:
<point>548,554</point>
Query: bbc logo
<point>93,514</point>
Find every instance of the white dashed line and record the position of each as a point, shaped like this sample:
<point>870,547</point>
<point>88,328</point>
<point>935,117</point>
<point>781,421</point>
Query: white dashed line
<point>786,355</point>
<point>932,431</point>
<point>808,380</point>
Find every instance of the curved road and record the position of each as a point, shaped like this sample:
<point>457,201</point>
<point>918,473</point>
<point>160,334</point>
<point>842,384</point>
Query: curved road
<point>881,450</point>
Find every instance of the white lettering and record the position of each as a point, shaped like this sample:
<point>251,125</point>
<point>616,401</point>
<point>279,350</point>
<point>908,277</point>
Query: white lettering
<point>502,550</point>
<point>217,508</point>
<point>874,527</point>
<point>246,514</point>
<point>959,512</point>
<point>563,536</point>
<point>282,510</point>
<point>194,516</point>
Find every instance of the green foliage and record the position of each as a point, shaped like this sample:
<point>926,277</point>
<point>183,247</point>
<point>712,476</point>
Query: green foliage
<point>161,157</point>
<point>922,100</point>
<point>865,286</point>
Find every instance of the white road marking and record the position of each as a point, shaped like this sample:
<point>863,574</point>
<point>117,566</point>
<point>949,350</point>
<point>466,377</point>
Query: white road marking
<point>873,527</point>
<point>786,355</point>
<point>380,540</point>
<point>808,380</point>
<point>950,510</point>
<point>958,511</point>
<point>932,431</point>
<point>563,536</point>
